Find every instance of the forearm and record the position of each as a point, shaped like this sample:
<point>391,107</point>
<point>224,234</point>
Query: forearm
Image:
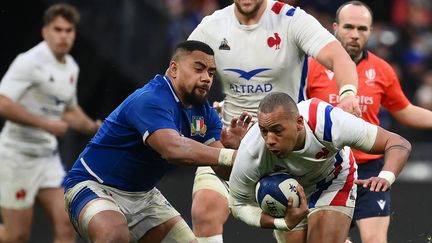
<point>15,112</point>
<point>79,121</point>
<point>414,117</point>
<point>186,151</point>
<point>396,154</point>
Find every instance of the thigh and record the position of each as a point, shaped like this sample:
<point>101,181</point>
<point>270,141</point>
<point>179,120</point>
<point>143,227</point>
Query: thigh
<point>329,224</point>
<point>205,178</point>
<point>145,211</point>
<point>17,222</point>
<point>93,210</point>
<point>52,201</point>
<point>373,229</point>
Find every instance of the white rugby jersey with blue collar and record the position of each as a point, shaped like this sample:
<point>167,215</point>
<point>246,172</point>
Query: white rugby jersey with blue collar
<point>118,156</point>
<point>255,60</point>
<point>324,164</point>
<point>45,87</point>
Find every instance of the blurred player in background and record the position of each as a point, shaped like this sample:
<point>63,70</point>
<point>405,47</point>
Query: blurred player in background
<point>111,193</point>
<point>378,86</point>
<point>310,142</point>
<point>261,46</point>
<point>39,101</point>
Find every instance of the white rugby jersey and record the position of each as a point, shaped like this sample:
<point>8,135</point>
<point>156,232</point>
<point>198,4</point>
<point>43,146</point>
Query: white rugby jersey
<point>325,161</point>
<point>269,56</point>
<point>45,87</point>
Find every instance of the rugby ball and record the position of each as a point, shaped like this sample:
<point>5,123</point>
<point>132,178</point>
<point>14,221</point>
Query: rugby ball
<point>272,193</point>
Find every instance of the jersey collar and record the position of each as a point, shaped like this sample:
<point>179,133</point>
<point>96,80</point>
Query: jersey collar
<point>171,87</point>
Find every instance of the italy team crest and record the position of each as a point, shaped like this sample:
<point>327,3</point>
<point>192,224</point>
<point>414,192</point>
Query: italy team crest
<point>198,126</point>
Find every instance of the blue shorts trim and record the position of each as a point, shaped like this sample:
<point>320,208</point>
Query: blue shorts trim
<point>371,204</point>
<point>81,199</point>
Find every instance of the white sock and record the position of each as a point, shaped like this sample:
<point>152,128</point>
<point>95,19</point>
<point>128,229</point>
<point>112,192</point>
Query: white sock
<point>211,239</point>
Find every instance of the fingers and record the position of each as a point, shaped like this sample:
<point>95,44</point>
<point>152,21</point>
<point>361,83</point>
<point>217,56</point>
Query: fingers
<point>356,111</point>
<point>302,195</point>
<point>290,202</point>
<point>234,122</point>
<point>375,184</point>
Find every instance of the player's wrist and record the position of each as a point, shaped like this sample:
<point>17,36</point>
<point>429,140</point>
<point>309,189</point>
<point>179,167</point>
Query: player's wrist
<point>388,175</point>
<point>280,224</point>
<point>347,90</point>
<point>226,157</point>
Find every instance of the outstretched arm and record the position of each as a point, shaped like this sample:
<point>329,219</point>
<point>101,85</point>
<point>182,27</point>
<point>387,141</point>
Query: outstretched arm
<point>414,116</point>
<point>335,58</point>
<point>181,150</point>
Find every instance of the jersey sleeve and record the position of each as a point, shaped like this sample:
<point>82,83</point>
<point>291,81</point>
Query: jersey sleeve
<point>337,128</point>
<point>17,79</point>
<point>393,97</point>
<point>149,114</point>
<point>309,34</point>
<point>244,176</point>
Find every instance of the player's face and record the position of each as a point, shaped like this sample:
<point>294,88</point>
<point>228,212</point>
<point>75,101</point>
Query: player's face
<point>195,76</point>
<point>354,29</point>
<point>281,131</point>
<point>248,7</point>
<point>60,36</point>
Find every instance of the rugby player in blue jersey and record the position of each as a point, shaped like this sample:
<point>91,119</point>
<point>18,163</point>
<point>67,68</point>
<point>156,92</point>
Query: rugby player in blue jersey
<point>110,191</point>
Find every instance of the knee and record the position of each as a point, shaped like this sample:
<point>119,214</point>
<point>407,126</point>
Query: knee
<point>20,236</point>
<point>208,204</point>
<point>65,231</point>
<point>119,235</point>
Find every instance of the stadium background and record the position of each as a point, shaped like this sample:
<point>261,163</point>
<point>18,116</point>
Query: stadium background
<point>122,44</point>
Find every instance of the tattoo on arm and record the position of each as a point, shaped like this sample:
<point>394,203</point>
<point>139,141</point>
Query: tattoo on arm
<point>398,146</point>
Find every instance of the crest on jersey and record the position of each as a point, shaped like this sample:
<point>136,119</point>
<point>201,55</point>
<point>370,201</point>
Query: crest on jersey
<point>330,74</point>
<point>20,195</point>
<point>370,75</point>
<point>198,127</point>
<point>274,41</point>
<point>224,45</point>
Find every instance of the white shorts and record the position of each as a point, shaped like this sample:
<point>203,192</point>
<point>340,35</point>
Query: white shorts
<point>205,178</point>
<point>21,177</point>
<point>142,210</point>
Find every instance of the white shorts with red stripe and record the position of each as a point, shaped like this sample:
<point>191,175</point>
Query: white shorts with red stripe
<point>337,189</point>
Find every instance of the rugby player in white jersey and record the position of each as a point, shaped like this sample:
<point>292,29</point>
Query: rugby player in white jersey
<point>261,46</point>
<point>310,142</point>
<point>38,101</point>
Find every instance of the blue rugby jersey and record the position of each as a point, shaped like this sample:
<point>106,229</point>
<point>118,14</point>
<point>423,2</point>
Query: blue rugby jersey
<point>117,155</point>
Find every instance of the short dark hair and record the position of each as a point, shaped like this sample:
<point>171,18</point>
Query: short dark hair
<point>276,99</point>
<point>355,3</point>
<point>190,46</point>
<point>67,11</point>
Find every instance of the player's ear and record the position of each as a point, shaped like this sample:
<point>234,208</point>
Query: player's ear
<point>300,124</point>
<point>173,68</point>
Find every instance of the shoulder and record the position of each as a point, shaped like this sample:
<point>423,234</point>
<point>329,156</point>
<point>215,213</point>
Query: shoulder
<point>252,142</point>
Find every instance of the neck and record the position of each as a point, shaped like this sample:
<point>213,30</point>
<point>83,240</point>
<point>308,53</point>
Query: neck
<point>301,139</point>
<point>178,92</point>
<point>252,18</point>
<point>358,58</point>
<point>60,58</point>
